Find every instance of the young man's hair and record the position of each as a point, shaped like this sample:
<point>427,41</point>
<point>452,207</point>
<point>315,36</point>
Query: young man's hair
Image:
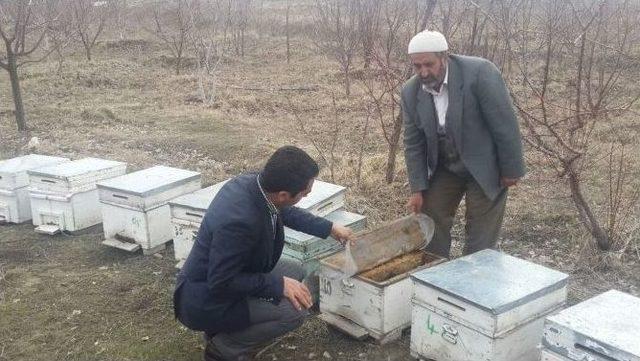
<point>289,169</point>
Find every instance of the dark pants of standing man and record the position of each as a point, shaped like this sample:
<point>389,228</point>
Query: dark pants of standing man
<point>483,216</point>
<point>268,320</point>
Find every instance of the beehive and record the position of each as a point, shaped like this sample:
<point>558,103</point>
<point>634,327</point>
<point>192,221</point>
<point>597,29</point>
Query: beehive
<point>374,299</point>
<point>308,250</point>
<point>135,208</point>
<point>484,306</point>
<point>15,206</point>
<point>323,199</point>
<point>64,196</point>
<point>604,327</point>
<point>187,212</point>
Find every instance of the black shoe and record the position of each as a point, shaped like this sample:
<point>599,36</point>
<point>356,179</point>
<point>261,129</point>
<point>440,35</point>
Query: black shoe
<point>211,353</point>
<point>207,337</point>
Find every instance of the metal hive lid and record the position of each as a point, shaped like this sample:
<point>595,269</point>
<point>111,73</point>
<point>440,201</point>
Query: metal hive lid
<point>75,168</point>
<point>320,192</point>
<point>492,281</point>
<point>150,181</point>
<point>200,199</point>
<point>27,162</point>
<point>611,318</point>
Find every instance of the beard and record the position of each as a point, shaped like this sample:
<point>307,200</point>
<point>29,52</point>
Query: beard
<point>431,82</point>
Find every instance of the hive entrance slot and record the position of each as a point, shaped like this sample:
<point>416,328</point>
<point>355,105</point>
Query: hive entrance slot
<point>125,239</point>
<point>325,206</point>
<point>193,214</point>
<point>399,265</point>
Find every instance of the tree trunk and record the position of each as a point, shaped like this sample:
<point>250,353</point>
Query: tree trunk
<point>287,32</point>
<point>347,81</point>
<point>88,52</point>
<point>367,58</point>
<point>178,61</point>
<point>586,214</point>
<point>365,132</point>
<point>393,149</point>
<point>15,89</point>
<point>242,44</point>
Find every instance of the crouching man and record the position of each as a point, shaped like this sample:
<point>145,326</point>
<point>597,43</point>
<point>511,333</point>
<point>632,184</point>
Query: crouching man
<point>234,286</point>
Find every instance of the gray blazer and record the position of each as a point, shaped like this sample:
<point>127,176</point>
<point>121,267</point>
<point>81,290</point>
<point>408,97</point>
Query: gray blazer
<point>480,117</point>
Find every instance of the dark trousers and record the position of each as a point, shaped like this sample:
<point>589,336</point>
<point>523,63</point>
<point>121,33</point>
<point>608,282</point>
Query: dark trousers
<point>268,320</point>
<point>483,216</point>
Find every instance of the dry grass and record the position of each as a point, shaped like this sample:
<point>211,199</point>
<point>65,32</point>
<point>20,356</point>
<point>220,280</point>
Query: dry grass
<point>68,298</point>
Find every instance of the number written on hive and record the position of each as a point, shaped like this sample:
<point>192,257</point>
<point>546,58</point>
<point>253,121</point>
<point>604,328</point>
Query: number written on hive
<point>325,286</point>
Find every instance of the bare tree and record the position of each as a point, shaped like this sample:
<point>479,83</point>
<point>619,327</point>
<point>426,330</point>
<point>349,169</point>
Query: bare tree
<point>58,35</point>
<point>363,143</point>
<point>368,27</point>
<point>23,27</point>
<point>287,34</point>
<point>171,24</point>
<point>205,22</point>
<point>452,14</point>
<point>575,95</point>
<point>326,150</point>
<point>239,14</point>
<point>89,19</point>
<point>336,27</point>
<point>120,12</point>
<point>389,71</point>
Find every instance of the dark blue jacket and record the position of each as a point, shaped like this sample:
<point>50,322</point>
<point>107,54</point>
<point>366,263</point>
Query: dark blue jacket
<point>232,256</point>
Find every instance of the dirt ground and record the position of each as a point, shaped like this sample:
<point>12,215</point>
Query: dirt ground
<point>69,298</point>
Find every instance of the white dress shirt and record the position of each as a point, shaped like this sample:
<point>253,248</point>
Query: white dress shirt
<point>440,99</point>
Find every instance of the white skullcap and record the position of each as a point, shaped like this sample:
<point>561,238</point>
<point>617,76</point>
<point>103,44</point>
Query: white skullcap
<point>428,42</point>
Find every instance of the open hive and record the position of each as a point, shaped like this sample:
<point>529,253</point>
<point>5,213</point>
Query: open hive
<point>376,300</point>
<point>400,265</point>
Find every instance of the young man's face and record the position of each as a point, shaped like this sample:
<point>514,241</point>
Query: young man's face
<point>287,200</point>
<point>430,67</point>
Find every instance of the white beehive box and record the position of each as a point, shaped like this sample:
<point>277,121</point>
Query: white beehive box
<point>323,199</point>
<point>15,206</point>
<point>375,303</point>
<point>308,250</point>
<point>546,355</point>
<point>187,212</point>
<point>603,328</point>
<point>304,247</point>
<point>135,207</point>
<point>485,306</point>
<point>64,196</point>
<point>374,298</point>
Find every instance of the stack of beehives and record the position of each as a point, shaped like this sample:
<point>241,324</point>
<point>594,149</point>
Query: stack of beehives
<point>59,195</point>
<point>324,200</point>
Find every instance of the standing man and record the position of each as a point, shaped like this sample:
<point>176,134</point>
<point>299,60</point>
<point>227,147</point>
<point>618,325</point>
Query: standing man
<point>233,285</point>
<point>461,138</point>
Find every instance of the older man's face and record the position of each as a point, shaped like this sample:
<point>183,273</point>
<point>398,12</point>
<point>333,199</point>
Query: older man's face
<point>430,67</point>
